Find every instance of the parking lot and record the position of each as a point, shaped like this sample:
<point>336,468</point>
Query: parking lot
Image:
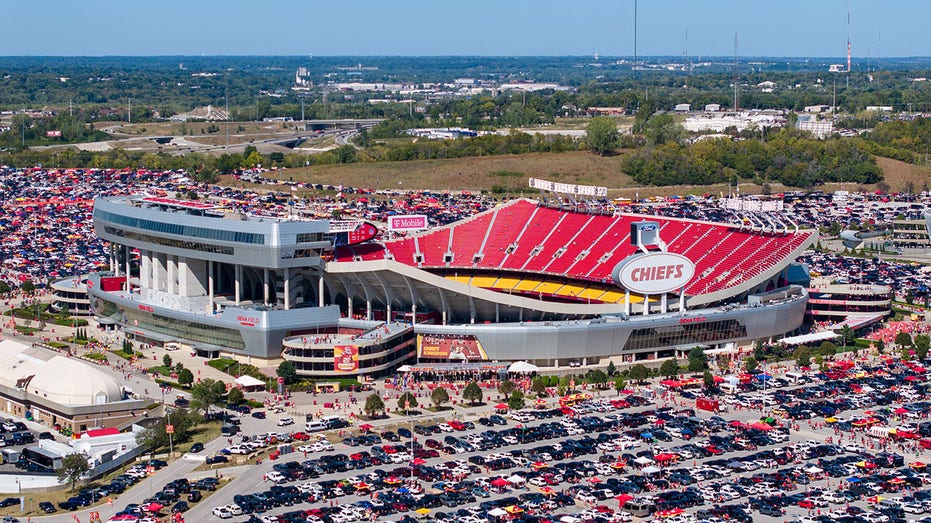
<point>631,458</point>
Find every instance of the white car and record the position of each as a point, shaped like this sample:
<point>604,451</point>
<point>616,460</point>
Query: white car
<point>222,512</point>
<point>234,509</point>
<point>285,421</point>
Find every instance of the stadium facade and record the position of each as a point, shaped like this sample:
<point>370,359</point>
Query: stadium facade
<point>519,282</point>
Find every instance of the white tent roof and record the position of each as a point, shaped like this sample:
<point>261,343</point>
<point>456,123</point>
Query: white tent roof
<point>249,381</point>
<point>809,338</point>
<point>651,470</point>
<point>497,512</point>
<point>523,366</point>
<point>517,479</point>
<point>643,460</point>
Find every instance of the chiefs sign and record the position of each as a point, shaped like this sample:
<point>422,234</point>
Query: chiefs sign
<point>654,273</point>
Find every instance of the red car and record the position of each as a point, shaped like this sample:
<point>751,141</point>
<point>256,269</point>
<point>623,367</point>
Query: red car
<point>300,436</point>
<point>456,425</point>
<point>806,503</point>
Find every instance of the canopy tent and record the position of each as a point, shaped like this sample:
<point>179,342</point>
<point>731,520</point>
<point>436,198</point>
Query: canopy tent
<point>651,470</point>
<point>522,367</point>
<point>812,337</point>
<point>247,382</point>
<point>643,460</point>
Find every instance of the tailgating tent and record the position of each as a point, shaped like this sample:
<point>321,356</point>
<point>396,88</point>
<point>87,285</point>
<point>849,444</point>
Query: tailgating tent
<point>499,482</point>
<point>759,425</point>
<point>517,480</point>
<point>666,456</point>
<point>643,460</point>
<point>522,367</point>
<point>813,470</point>
<point>248,382</point>
<point>497,512</point>
<point>651,470</point>
<point>623,498</point>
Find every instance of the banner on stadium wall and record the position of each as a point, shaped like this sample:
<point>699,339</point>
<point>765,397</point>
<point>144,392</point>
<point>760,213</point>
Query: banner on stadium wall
<point>407,222</point>
<point>568,188</point>
<point>445,347</point>
<point>53,134</point>
<point>345,358</point>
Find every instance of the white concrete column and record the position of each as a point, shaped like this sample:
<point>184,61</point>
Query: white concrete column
<point>413,314</point>
<point>183,275</point>
<point>287,288</point>
<point>682,300</point>
<point>170,262</point>
<point>444,317</point>
<point>646,305</point>
<point>145,269</point>
<point>368,309</point>
<point>349,305</point>
<point>320,290</point>
<point>237,275</point>
<point>627,302</point>
<point>664,304</point>
<point>128,287</point>
<point>210,284</point>
<point>265,284</point>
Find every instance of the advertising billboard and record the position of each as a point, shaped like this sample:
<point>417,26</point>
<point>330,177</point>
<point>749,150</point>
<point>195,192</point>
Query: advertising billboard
<point>345,358</point>
<point>438,346</point>
<point>654,273</point>
<point>407,222</point>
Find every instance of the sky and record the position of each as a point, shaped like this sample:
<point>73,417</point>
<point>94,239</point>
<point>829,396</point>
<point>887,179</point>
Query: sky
<point>790,28</point>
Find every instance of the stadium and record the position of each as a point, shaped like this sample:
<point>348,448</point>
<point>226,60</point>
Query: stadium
<point>529,280</point>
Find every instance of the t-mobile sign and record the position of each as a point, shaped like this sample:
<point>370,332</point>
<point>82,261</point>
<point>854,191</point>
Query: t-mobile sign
<point>410,222</point>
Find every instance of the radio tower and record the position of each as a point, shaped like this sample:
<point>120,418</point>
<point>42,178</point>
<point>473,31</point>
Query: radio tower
<point>736,76</point>
<point>848,49</point>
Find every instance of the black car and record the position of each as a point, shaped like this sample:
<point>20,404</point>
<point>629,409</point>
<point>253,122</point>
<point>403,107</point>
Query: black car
<point>47,507</point>
<point>217,459</point>
<point>180,506</point>
<point>197,447</point>
<point>258,414</point>
<point>194,496</point>
<point>46,435</point>
<point>9,502</point>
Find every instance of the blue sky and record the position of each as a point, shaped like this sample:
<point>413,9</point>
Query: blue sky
<point>464,27</point>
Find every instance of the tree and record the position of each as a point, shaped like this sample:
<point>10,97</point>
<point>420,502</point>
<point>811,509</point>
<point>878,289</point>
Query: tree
<point>345,154</point>
<point>750,364</point>
<point>639,372</point>
<point>708,379</point>
<point>156,436</point>
<point>516,400</point>
<point>73,466</point>
<point>848,335</point>
<point>903,339</point>
<point>802,356</point>
<point>207,393</point>
<point>288,371</point>
<point>601,135</point>
<point>538,386</point>
<point>439,396</point>
<point>406,402</point>
<point>235,396</point>
<point>827,350</point>
<point>922,344</point>
<point>669,368</point>
<point>612,369</point>
<point>373,405</point>
<point>619,384</point>
<point>185,377</point>
<point>698,360</point>
<point>166,361</point>
<point>662,129</point>
<point>598,378</point>
<point>506,387</point>
<point>472,393</point>
<point>4,287</point>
